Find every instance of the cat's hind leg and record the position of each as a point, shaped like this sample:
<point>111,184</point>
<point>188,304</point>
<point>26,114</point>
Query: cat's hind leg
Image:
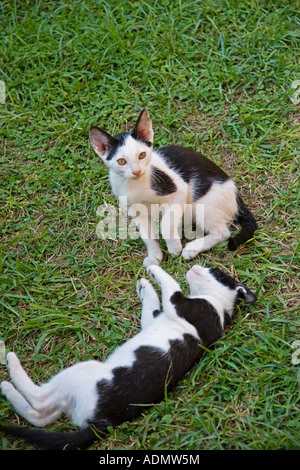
<point>216,210</point>
<point>33,402</point>
<point>150,301</point>
<point>23,408</point>
<point>216,236</point>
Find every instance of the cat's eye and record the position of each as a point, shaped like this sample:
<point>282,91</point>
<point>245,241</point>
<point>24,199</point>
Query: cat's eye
<point>142,155</point>
<point>121,161</point>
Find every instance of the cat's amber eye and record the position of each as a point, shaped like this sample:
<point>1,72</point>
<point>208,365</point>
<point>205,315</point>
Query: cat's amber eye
<point>142,155</point>
<point>121,161</point>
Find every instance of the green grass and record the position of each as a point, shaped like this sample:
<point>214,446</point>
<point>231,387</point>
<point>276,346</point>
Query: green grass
<point>215,75</point>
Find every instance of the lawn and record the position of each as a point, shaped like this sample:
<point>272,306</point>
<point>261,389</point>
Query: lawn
<point>219,76</point>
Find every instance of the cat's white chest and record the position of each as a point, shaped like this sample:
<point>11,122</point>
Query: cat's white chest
<point>135,190</point>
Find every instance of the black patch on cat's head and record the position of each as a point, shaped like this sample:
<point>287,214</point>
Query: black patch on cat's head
<point>242,291</point>
<point>223,278</point>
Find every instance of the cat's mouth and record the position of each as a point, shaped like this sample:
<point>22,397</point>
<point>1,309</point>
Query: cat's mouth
<point>136,174</point>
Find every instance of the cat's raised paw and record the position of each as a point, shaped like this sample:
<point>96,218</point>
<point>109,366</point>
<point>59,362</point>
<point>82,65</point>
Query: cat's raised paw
<point>141,285</point>
<point>154,271</point>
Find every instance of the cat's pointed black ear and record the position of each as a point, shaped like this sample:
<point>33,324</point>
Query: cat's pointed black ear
<point>245,293</point>
<point>143,129</point>
<point>101,141</point>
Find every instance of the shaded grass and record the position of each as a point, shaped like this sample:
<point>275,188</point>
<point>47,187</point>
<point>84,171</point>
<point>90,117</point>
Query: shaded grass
<point>215,75</point>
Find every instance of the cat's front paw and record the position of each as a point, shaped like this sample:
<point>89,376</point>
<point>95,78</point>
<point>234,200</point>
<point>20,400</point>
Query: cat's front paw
<point>154,272</point>
<point>189,254</point>
<point>141,285</point>
<point>148,261</point>
<point>174,247</point>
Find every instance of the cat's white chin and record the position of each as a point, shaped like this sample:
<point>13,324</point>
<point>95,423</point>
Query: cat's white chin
<point>134,177</point>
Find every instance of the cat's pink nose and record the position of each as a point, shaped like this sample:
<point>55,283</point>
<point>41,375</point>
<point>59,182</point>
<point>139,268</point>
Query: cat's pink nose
<point>136,172</point>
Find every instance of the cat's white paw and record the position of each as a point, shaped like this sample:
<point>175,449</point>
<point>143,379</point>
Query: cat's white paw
<point>154,271</point>
<point>141,286</point>
<point>12,361</point>
<point>189,254</point>
<point>148,261</point>
<point>6,388</point>
<point>174,247</point>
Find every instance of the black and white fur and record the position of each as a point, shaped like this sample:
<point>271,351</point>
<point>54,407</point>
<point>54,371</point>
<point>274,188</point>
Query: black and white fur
<point>173,177</point>
<point>100,394</point>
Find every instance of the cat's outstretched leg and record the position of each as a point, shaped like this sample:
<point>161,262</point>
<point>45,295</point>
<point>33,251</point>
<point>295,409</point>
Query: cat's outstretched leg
<point>170,222</point>
<point>23,408</point>
<point>147,233</point>
<point>150,301</point>
<point>168,287</point>
<point>213,238</point>
<point>29,400</point>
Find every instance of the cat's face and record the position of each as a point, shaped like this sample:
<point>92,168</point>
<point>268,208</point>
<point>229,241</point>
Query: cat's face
<point>212,281</point>
<point>127,154</point>
<point>131,158</point>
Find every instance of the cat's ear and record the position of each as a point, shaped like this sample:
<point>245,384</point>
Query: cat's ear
<point>101,141</point>
<point>245,293</point>
<point>143,129</point>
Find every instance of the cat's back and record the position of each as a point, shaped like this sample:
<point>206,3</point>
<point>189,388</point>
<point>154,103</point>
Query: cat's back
<point>190,164</point>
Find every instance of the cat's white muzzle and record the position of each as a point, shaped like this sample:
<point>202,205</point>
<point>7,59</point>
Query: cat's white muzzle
<point>197,278</point>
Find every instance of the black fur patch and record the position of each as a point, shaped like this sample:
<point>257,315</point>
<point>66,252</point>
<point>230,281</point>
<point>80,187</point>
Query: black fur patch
<point>116,142</point>
<point>144,383</point>
<point>201,314</point>
<point>161,183</point>
<point>223,278</point>
<point>191,165</point>
<point>119,140</point>
<point>227,318</point>
<point>155,313</point>
<point>248,225</point>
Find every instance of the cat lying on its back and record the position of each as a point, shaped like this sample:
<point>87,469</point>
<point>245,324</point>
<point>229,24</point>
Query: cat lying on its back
<point>179,180</point>
<point>100,394</point>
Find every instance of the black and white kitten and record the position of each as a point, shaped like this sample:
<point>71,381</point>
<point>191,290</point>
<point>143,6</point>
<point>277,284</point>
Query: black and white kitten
<point>179,180</point>
<point>100,394</point>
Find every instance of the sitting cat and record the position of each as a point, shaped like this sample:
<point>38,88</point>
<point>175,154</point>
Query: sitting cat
<point>179,180</point>
<point>100,394</point>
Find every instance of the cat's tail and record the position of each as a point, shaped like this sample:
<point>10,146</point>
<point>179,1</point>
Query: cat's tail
<point>75,440</point>
<point>248,226</point>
